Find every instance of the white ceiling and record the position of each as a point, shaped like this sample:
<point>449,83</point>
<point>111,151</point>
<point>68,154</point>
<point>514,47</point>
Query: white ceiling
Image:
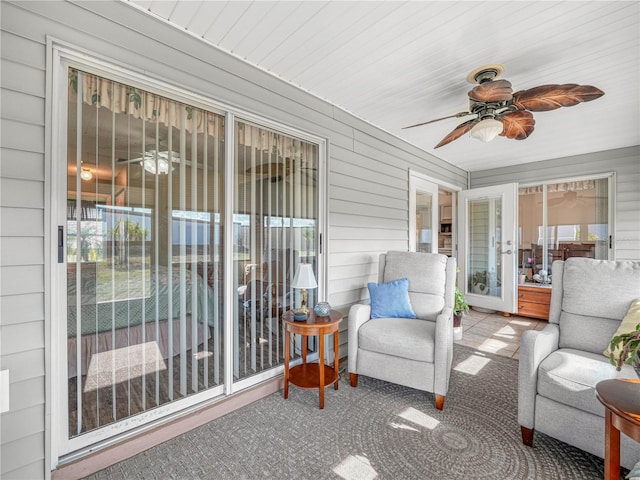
<point>398,63</point>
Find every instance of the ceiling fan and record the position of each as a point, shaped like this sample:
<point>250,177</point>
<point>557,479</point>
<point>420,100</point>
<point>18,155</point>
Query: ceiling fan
<point>499,111</point>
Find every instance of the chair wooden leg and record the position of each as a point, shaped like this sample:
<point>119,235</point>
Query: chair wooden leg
<point>527,435</point>
<point>353,378</point>
<point>439,401</point>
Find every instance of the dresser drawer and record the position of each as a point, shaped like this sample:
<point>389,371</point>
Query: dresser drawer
<point>534,301</point>
<point>535,296</point>
<point>535,310</point>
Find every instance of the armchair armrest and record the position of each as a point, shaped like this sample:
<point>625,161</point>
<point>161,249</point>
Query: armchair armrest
<point>443,351</point>
<point>358,315</point>
<point>535,346</point>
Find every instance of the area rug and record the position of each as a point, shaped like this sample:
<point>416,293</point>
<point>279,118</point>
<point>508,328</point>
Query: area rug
<point>377,430</point>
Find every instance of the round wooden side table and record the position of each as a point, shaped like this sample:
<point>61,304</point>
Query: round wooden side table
<point>621,400</point>
<point>311,375</point>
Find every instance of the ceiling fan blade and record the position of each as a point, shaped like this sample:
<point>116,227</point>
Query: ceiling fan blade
<point>496,91</point>
<point>457,115</point>
<point>550,97</point>
<point>458,132</point>
<point>518,125</point>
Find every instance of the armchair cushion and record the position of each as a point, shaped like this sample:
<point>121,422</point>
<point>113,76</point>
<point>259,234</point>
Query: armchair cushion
<point>400,337</point>
<point>390,299</point>
<point>570,376</point>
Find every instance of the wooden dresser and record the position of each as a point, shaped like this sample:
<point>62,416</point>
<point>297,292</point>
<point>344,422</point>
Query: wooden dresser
<point>534,300</point>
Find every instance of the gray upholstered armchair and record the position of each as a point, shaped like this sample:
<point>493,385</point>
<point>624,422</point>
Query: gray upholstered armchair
<point>415,352</point>
<point>561,364</point>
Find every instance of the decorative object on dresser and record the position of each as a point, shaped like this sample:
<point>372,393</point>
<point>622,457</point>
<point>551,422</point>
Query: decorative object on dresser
<point>534,300</point>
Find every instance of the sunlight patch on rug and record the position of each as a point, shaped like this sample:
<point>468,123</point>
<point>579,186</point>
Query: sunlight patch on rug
<point>472,364</point>
<point>419,418</point>
<point>355,467</point>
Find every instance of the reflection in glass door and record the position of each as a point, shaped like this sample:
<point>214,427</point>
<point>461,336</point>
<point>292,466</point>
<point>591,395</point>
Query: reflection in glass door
<point>143,257</point>
<point>423,214</point>
<point>424,231</point>
<point>484,261</point>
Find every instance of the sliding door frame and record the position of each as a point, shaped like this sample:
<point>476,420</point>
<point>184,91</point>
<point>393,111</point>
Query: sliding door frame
<point>60,57</point>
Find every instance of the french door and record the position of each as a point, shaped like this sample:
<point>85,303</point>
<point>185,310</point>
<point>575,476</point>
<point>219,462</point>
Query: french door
<point>488,246</point>
<point>179,229</point>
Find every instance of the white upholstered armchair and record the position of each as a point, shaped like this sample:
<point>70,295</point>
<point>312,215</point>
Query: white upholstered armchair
<point>415,352</point>
<point>561,364</point>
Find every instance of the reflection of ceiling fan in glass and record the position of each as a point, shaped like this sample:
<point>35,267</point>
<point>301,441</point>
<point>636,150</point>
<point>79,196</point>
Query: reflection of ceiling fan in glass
<point>286,169</point>
<point>499,111</point>
<point>571,199</point>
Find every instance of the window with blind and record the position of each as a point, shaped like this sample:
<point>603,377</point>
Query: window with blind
<point>275,209</point>
<point>144,249</point>
<point>148,252</point>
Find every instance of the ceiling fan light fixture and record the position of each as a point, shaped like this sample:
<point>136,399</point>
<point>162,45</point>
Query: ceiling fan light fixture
<point>158,161</point>
<point>487,129</point>
<point>85,174</point>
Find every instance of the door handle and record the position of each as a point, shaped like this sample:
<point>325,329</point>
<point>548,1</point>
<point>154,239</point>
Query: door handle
<point>508,252</point>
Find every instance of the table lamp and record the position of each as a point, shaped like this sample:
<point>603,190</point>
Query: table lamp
<point>304,279</point>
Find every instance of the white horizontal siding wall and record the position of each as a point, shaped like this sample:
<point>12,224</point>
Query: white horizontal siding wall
<point>367,197</point>
<point>625,162</point>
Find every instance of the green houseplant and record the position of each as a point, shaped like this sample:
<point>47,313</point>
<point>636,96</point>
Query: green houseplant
<point>460,308</point>
<point>625,348</point>
<point>460,305</point>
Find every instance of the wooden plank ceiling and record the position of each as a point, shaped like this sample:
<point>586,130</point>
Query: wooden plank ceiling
<point>399,63</point>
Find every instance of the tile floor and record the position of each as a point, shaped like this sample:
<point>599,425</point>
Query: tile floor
<point>495,333</point>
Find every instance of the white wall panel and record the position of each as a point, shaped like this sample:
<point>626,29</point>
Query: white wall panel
<point>21,193</point>
<point>22,222</point>
<point>21,308</point>
<point>21,164</point>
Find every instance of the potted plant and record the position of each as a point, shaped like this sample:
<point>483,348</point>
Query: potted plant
<point>460,308</point>
<point>625,348</point>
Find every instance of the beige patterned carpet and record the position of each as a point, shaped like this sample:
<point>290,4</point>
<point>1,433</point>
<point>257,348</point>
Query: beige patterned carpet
<point>377,430</point>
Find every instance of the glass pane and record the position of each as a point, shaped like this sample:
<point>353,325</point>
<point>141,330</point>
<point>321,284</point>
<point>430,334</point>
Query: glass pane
<point>577,225</point>
<point>144,285</point>
<point>578,219</point>
<point>484,261</point>
<point>530,233</point>
<point>424,231</point>
<point>274,228</point>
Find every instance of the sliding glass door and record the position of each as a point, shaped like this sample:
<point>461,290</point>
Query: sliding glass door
<point>145,240</point>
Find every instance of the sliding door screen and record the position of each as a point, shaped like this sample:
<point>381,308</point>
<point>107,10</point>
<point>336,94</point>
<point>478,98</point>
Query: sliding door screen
<point>144,248</point>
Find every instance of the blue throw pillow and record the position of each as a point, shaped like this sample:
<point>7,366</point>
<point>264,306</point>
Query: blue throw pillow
<point>391,299</point>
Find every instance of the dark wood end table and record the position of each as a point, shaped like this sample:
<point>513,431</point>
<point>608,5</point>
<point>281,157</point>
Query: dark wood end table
<point>621,400</point>
<point>311,375</point>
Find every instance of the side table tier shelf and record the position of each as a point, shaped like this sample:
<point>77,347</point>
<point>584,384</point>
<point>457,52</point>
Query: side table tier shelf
<point>311,375</point>
<point>307,375</point>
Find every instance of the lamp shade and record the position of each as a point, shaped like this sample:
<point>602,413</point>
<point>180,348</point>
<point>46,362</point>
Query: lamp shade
<point>304,277</point>
<point>487,129</point>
